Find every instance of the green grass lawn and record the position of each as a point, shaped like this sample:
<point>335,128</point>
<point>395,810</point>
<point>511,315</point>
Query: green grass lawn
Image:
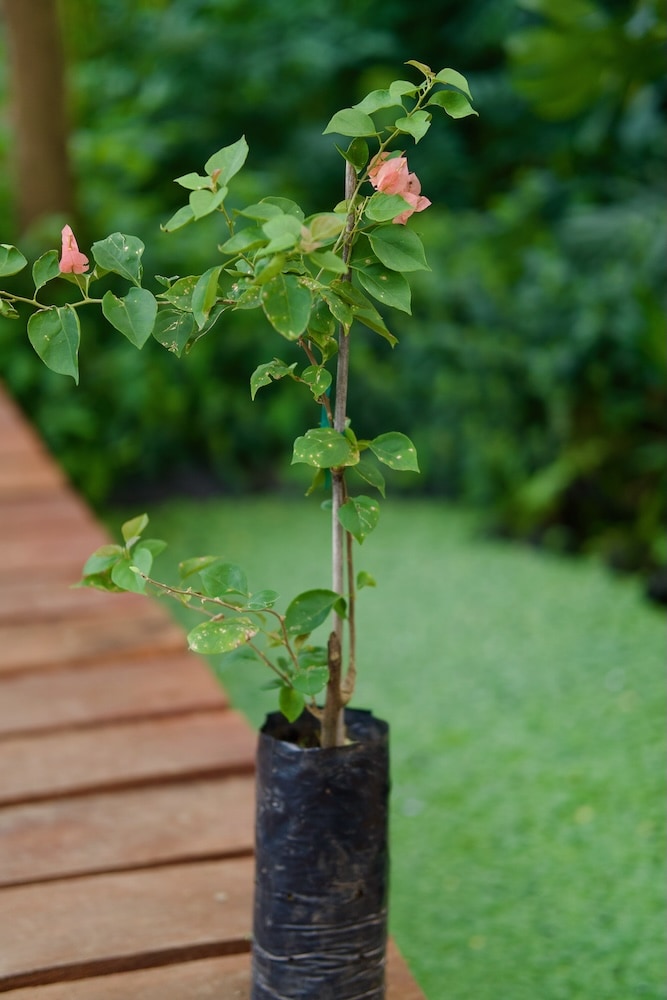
<point>526,700</point>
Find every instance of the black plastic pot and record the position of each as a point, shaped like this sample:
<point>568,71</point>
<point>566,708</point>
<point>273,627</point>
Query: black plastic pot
<point>320,914</point>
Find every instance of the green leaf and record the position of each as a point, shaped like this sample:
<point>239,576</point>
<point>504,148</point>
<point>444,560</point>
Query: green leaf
<point>262,210</point>
<point>286,206</point>
<point>359,516</point>
<point>324,448</point>
<point>102,559</point>
<point>317,378</point>
<point>180,292</point>
<point>173,329</point>
<point>179,219</point>
<point>244,239</point>
<point>154,545</point>
<point>326,226</point>
<point>287,304</point>
<point>327,260</point>
<point>281,226</point>
<point>291,703</point>
<point>311,681</point>
<point>378,99</point>
<point>220,579</point>
<point>308,610</point>
<point>125,577</point>
<point>133,315</point>
<point>398,248</point>
<point>120,254</point>
<point>455,79</point>
<point>228,160</point>
<point>340,310</point>
<point>365,312</point>
<point>132,530</point>
<point>369,472</point>
<point>213,637</point>
<point>191,566</point>
<point>351,121</point>
<point>262,600</point>
<point>7,310</point>
<point>391,288</point>
<point>263,374</point>
<point>416,125</point>
<point>395,450</point>
<point>365,579</point>
<point>402,87</point>
<point>193,182</point>
<point>55,334</point>
<point>11,260</point>
<point>45,269</point>
<point>455,104</point>
<point>204,202</point>
<point>383,207</point>
<point>357,154</point>
<point>204,295</point>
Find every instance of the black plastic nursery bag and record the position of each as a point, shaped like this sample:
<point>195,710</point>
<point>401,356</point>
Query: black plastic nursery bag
<point>320,916</point>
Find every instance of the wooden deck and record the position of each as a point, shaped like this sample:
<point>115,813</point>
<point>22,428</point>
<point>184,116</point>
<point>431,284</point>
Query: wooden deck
<point>126,780</point>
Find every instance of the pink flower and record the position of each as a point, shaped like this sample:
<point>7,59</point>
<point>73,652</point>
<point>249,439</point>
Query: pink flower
<point>72,261</point>
<point>390,175</point>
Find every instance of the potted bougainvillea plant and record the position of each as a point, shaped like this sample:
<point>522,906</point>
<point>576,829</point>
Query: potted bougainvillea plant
<point>320,915</point>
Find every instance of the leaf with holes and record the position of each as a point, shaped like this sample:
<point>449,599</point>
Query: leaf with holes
<point>359,516</point>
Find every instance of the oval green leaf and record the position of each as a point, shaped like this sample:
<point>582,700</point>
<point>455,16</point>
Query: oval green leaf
<point>214,637</point>
<point>398,248</point>
<point>45,269</point>
<point>134,315</point>
<point>324,448</point>
<point>309,610</point>
<point>351,121</point>
<point>121,254</point>
<point>359,516</point>
<point>11,260</point>
<point>287,304</point>
<point>55,334</point>
<point>395,450</point>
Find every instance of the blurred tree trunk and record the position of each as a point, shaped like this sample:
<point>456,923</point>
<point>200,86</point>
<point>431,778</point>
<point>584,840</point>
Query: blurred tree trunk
<point>43,182</point>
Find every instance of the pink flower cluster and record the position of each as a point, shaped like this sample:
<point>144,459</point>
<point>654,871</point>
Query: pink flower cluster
<point>390,175</point>
<point>72,261</point>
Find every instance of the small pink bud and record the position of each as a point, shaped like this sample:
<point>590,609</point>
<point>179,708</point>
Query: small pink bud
<point>72,261</point>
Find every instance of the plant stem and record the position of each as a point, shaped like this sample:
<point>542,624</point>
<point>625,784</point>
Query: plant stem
<point>333,728</point>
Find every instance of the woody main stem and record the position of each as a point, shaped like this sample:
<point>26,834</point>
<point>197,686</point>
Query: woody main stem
<point>333,728</point>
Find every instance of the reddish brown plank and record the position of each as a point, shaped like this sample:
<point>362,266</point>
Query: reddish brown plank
<point>26,473</point>
<point>90,760</point>
<point>39,549</point>
<point>57,510</point>
<point>27,598</point>
<point>226,978</point>
<point>124,689</point>
<point>130,829</point>
<point>47,644</point>
<point>108,923</point>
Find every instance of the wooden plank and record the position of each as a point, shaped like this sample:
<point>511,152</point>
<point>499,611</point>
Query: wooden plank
<point>130,829</point>
<point>107,923</point>
<point>124,755</point>
<point>102,693</point>
<point>28,473</point>
<point>31,598</point>
<point>226,978</point>
<point>60,510</point>
<point>42,549</point>
<point>44,645</point>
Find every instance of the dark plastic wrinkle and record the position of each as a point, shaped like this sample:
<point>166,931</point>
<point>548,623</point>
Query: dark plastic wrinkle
<point>320,921</point>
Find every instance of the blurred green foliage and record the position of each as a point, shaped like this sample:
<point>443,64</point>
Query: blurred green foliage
<point>535,356</point>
